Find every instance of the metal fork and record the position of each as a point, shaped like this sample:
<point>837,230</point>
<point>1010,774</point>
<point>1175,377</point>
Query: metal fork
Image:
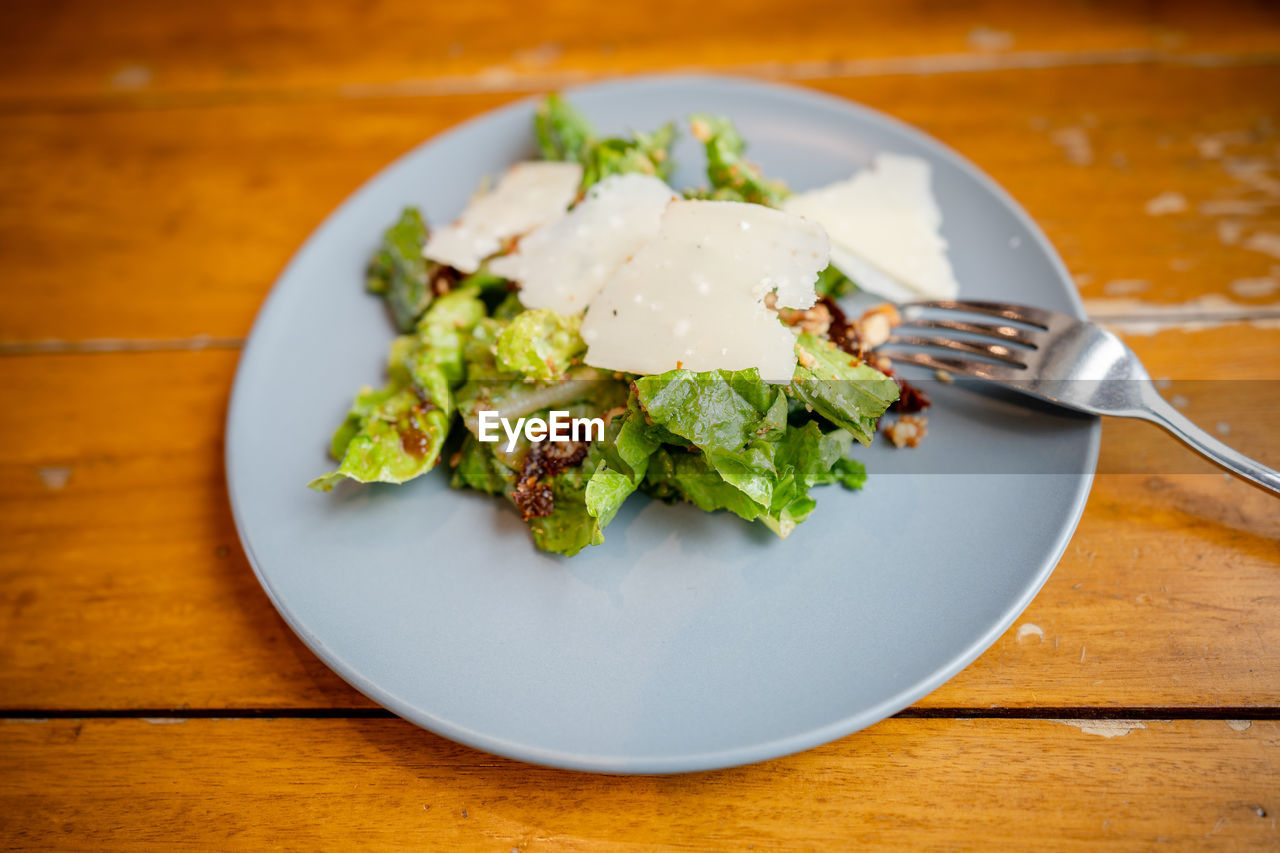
<point>1057,358</point>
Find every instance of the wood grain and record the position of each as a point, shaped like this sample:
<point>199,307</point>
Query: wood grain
<point>173,223</point>
<point>124,585</point>
<point>141,51</point>
<point>382,784</point>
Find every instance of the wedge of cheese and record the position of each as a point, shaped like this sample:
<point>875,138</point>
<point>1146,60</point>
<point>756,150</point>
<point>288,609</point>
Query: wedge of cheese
<point>884,228</point>
<point>693,296</point>
<point>564,264</point>
<point>528,195</point>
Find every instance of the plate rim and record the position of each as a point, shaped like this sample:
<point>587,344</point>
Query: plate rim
<point>713,759</point>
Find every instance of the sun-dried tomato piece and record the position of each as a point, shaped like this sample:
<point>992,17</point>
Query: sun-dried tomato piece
<point>532,494</point>
<point>841,332</point>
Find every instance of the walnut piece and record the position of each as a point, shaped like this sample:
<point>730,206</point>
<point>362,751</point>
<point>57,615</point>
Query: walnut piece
<point>907,431</point>
<point>815,320</point>
<point>877,323</point>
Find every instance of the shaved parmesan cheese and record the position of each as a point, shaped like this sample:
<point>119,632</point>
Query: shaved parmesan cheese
<point>528,195</point>
<point>883,224</point>
<point>693,296</point>
<point>870,278</point>
<point>563,264</point>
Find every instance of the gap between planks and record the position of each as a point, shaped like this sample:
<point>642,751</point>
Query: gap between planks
<point>1071,712</point>
<point>503,80</point>
<point>1154,322</point>
<point>50,346</point>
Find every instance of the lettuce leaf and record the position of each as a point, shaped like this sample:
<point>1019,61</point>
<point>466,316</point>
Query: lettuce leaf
<point>732,177</point>
<point>396,433</point>
<point>623,461</point>
<point>730,444</point>
<point>480,469</point>
<point>390,436</point>
<point>570,527</point>
<point>539,344</point>
<point>584,498</point>
<point>400,273</point>
<point>685,475</point>
<point>804,457</point>
<point>848,393</point>
<point>564,133</point>
<point>833,283</point>
<point>733,417</point>
<point>646,153</point>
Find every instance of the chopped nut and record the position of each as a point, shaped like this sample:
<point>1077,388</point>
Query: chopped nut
<point>907,431</point>
<point>874,329</point>
<point>886,310</point>
<point>815,320</point>
<point>876,324</point>
<point>804,357</point>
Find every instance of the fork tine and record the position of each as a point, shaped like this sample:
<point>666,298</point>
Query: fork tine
<point>1017,313</point>
<point>990,350</point>
<point>1013,334</point>
<point>995,372</point>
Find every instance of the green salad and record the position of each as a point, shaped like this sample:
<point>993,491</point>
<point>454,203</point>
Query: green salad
<point>721,439</point>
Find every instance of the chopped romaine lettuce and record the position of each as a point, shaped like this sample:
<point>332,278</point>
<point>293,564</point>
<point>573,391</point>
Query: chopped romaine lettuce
<point>564,133</point>
<point>400,273</point>
<point>733,417</point>
<point>849,393</point>
<point>395,434</point>
<point>646,153</point>
<point>623,461</point>
<point>390,436</point>
<point>732,177</point>
<point>833,283</point>
<point>539,344</point>
<point>478,468</point>
<point>740,451</point>
<point>569,527</point>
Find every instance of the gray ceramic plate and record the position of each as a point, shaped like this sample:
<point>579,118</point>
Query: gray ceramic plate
<point>687,641</point>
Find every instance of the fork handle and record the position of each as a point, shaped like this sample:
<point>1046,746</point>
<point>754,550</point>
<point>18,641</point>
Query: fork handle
<point>1159,411</point>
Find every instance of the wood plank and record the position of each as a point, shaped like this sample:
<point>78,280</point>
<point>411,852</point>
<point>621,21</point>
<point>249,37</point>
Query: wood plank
<point>174,222</point>
<point>382,784</point>
<point>142,49</point>
<point>125,587</point>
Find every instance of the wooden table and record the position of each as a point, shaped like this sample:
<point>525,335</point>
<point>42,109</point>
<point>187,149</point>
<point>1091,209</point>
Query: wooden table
<point>159,163</point>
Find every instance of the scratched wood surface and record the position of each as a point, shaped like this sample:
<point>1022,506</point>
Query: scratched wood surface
<point>298,785</point>
<point>159,163</point>
<point>148,51</point>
